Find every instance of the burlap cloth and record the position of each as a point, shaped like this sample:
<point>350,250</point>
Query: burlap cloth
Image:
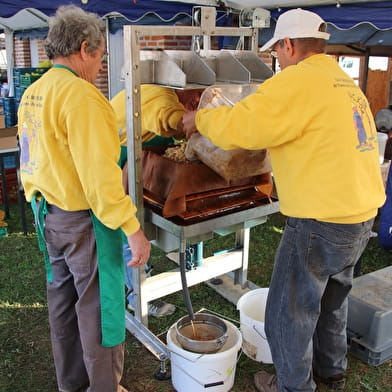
<point>172,182</point>
<point>229,164</point>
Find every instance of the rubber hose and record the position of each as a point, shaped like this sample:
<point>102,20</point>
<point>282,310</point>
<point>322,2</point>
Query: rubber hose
<point>185,291</point>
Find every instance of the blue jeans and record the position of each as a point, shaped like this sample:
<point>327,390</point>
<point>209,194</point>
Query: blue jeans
<point>127,255</point>
<point>306,312</point>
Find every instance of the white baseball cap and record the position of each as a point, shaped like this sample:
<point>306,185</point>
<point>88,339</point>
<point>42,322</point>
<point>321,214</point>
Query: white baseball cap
<point>296,23</point>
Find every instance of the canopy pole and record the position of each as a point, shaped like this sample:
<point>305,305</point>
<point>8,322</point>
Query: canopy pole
<point>109,60</point>
<point>9,49</point>
<point>365,71</point>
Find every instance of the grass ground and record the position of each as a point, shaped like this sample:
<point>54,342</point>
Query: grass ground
<point>25,355</point>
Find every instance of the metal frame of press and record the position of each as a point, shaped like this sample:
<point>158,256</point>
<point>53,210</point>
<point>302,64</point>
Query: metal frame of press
<point>185,69</point>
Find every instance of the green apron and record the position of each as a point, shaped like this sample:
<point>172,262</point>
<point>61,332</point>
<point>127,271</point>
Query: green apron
<point>110,273</point>
<point>39,215</point>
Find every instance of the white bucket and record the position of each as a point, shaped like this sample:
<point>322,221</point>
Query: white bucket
<point>193,372</point>
<point>252,311</point>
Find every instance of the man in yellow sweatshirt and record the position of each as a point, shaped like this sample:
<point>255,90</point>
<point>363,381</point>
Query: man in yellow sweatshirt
<point>319,130</point>
<point>69,169</point>
<point>161,115</point>
<point>162,109</point>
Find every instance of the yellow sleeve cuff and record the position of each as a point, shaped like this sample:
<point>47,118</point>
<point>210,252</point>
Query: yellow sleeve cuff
<point>175,118</point>
<point>131,226</point>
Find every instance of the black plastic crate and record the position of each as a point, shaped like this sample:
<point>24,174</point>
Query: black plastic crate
<point>10,121</point>
<point>9,104</point>
<point>12,186</point>
<point>9,162</point>
<point>10,114</point>
<point>15,78</point>
<point>19,93</point>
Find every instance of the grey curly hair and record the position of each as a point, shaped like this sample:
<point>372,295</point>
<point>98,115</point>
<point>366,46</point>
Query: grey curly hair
<point>69,27</point>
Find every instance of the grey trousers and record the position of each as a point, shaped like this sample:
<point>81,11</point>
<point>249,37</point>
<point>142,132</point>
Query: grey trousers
<point>74,307</point>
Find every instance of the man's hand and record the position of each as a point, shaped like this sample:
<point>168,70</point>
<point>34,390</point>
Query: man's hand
<point>188,123</point>
<point>140,248</point>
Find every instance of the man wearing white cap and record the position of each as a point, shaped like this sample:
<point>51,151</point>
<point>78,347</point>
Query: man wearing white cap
<point>319,130</point>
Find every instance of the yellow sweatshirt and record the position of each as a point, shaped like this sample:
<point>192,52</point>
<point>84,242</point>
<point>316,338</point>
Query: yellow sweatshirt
<point>320,132</point>
<point>161,111</point>
<point>70,149</point>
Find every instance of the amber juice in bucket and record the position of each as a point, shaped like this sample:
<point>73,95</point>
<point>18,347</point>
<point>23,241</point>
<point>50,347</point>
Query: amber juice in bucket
<point>200,331</point>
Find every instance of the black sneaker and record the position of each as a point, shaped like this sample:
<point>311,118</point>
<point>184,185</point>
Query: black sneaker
<point>336,382</point>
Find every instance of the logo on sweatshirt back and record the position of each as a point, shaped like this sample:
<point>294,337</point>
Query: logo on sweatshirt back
<point>362,122</point>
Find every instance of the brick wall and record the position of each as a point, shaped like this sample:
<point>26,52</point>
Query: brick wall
<point>102,80</point>
<point>41,51</point>
<point>22,57</point>
<point>166,42</point>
